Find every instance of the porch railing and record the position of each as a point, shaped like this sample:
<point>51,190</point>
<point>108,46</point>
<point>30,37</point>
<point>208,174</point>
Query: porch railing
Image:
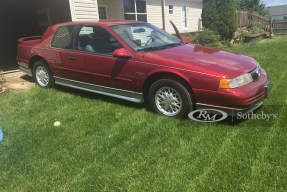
<point>247,19</point>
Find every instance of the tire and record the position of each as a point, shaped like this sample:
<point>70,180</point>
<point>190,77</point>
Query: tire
<point>42,75</point>
<point>170,98</point>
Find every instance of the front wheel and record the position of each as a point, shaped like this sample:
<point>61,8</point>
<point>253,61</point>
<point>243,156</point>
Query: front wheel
<point>170,98</point>
<point>42,75</point>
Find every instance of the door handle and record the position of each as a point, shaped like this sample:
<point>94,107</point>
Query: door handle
<point>72,58</point>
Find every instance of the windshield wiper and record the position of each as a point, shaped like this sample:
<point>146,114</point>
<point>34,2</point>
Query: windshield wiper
<point>160,47</point>
<point>170,45</point>
<point>149,49</point>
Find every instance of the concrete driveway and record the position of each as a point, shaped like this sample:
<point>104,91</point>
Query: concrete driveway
<point>17,81</point>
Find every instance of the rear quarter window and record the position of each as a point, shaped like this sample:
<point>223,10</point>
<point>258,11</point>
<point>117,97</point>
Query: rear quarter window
<point>63,36</point>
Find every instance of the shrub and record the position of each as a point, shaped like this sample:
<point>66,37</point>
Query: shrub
<point>220,16</point>
<point>206,37</point>
<point>255,30</point>
<point>241,36</point>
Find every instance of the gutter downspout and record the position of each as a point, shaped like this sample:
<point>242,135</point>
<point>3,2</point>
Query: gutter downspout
<point>163,13</point>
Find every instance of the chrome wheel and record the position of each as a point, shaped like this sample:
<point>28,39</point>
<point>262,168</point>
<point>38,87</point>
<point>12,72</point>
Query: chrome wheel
<point>168,101</point>
<point>42,76</point>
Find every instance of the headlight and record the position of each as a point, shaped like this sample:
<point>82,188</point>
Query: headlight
<point>236,82</point>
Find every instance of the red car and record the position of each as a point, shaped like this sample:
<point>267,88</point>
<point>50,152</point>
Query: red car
<point>139,62</point>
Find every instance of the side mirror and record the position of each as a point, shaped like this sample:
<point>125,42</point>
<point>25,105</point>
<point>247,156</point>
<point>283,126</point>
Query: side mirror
<point>122,53</point>
<point>186,40</point>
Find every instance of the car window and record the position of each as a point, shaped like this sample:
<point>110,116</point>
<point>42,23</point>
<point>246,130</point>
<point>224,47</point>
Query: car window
<point>62,37</point>
<point>140,34</point>
<point>96,40</point>
<point>145,37</point>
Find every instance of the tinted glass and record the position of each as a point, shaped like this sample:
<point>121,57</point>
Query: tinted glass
<point>141,6</point>
<point>145,37</point>
<point>142,17</point>
<point>129,6</point>
<point>96,40</point>
<point>62,37</point>
<point>130,17</point>
<point>102,13</point>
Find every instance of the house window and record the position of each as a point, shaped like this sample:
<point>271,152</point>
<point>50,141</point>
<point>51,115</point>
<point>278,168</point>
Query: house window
<point>184,16</point>
<point>135,10</point>
<point>170,9</point>
<point>102,12</point>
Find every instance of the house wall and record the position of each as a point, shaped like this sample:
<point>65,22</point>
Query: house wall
<point>84,10</point>
<point>279,17</point>
<point>154,12</point>
<point>88,10</point>
<point>115,10</point>
<point>278,12</point>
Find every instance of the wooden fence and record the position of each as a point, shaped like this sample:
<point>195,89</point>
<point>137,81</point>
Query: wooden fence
<point>280,27</point>
<point>247,19</point>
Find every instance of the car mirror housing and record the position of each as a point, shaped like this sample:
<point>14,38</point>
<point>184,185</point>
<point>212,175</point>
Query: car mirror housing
<point>122,53</point>
<point>186,40</point>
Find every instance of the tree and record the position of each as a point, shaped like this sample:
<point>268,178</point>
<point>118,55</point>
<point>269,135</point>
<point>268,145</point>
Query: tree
<point>220,16</point>
<point>226,18</point>
<point>252,6</point>
<point>209,14</point>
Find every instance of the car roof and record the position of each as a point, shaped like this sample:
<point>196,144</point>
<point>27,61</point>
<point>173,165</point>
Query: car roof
<point>106,23</point>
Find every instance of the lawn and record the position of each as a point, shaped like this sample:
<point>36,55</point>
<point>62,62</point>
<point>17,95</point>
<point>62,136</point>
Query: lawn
<point>106,144</point>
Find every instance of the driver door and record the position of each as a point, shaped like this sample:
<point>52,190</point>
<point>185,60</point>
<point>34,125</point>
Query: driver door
<point>91,61</point>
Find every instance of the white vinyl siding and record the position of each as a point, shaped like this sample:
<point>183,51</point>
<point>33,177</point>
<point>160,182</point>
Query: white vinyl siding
<point>155,14</point>
<point>84,10</point>
<point>114,9</point>
<point>195,16</point>
<point>88,10</point>
<point>194,10</point>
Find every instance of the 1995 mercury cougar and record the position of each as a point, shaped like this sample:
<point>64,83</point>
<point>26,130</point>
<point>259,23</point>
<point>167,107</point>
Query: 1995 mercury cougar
<point>139,62</point>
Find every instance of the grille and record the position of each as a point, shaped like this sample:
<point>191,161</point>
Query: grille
<point>255,74</point>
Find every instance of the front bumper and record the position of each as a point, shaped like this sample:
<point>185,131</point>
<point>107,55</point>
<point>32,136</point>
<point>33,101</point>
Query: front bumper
<point>243,106</point>
<point>232,111</point>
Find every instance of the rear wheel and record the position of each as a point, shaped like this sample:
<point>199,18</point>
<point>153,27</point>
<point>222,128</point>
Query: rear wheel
<point>42,75</point>
<point>170,98</point>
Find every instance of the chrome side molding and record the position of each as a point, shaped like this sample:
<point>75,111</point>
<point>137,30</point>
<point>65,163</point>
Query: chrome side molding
<point>117,93</point>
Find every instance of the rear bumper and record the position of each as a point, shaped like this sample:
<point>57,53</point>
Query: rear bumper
<point>24,67</point>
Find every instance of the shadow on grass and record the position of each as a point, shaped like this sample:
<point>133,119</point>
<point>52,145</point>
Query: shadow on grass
<point>230,121</point>
<point>27,78</point>
<point>108,99</point>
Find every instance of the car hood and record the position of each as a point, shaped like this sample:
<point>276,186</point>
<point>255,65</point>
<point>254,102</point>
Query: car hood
<point>204,60</point>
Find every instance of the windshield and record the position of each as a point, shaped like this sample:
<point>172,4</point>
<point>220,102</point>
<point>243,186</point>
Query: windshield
<point>145,37</point>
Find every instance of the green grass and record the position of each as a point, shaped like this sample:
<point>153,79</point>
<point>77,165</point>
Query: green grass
<point>107,144</point>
